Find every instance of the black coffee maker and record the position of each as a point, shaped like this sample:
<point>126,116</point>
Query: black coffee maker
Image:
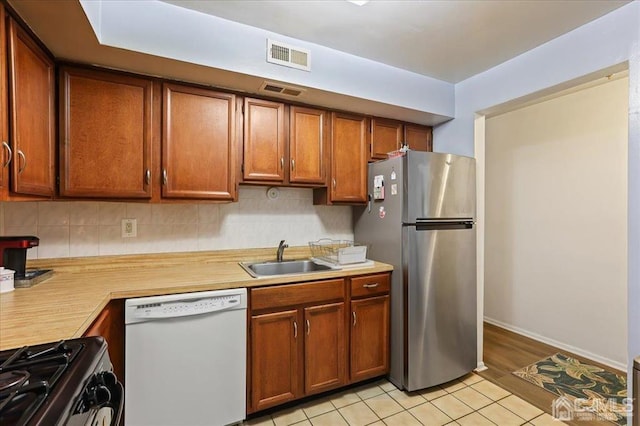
<point>13,253</point>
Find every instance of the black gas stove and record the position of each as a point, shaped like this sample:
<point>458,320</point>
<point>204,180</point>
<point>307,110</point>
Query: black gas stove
<point>63,383</point>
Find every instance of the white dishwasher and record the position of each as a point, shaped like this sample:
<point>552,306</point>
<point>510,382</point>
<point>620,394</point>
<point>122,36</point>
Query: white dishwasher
<point>185,359</point>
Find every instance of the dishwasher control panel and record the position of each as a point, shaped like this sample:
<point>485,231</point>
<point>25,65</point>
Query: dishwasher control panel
<point>184,305</point>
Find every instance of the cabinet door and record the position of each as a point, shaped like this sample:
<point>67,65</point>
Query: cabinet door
<point>198,144</point>
<point>275,376</point>
<point>369,337</point>
<point>348,158</point>
<point>32,114</point>
<point>386,136</point>
<point>419,138</point>
<point>306,145</point>
<point>4,108</point>
<point>324,348</point>
<point>105,134</point>
<point>264,141</point>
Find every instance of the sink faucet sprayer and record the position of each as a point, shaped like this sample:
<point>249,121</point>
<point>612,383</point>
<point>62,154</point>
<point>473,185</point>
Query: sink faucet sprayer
<point>280,252</point>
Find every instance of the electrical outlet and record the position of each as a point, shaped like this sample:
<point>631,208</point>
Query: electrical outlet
<point>129,228</point>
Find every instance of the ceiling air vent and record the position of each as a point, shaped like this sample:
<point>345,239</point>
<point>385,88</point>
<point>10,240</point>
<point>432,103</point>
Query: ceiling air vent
<point>287,55</point>
<point>281,89</point>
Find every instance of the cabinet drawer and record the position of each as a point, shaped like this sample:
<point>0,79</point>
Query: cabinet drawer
<point>296,294</point>
<point>369,285</point>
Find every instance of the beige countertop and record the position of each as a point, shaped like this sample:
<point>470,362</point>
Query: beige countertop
<point>65,305</point>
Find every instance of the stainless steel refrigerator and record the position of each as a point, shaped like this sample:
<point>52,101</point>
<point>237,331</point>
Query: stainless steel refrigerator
<point>420,219</point>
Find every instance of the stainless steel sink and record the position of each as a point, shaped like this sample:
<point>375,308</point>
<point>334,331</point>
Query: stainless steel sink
<point>287,267</point>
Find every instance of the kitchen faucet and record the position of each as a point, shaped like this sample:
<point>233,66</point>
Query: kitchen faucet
<point>281,248</point>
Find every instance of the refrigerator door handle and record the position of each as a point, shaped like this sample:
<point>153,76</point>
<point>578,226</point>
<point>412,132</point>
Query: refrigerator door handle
<point>444,224</point>
<point>369,202</point>
<point>443,220</point>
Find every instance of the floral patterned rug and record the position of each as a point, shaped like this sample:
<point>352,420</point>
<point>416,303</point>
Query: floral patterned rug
<point>585,392</point>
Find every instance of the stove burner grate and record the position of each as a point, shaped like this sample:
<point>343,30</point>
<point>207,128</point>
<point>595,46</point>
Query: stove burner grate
<point>13,379</point>
<point>27,377</point>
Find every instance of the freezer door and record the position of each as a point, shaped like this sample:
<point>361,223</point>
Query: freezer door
<point>439,186</point>
<point>440,290</point>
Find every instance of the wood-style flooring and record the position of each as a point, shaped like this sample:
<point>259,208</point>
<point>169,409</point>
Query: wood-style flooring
<point>506,352</point>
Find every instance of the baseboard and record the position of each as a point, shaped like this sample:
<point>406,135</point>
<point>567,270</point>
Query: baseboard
<point>481,367</point>
<point>559,345</point>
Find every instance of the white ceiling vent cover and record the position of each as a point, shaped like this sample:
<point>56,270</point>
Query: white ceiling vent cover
<point>281,89</point>
<point>287,55</point>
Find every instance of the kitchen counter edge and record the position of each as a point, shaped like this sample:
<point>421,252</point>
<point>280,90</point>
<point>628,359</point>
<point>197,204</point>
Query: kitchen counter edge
<point>65,305</point>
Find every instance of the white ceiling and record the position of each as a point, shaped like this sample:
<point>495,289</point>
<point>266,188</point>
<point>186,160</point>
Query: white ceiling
<point>448,40</point>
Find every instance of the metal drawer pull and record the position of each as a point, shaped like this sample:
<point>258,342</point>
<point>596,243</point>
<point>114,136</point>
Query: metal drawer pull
<point>8,148</point>
<point>147,177</point>
<point>165,178</point>
<point>282,162</point>
<point>295,330</point>
<point>293,164</point>
<point>24,161</point>
<point>334,182</point>
<point>374,285</point>
<point>308,327</point>
<point>353,314</point>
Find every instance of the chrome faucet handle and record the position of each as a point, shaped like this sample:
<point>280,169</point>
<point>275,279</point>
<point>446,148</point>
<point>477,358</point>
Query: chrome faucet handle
<point>280,251</point>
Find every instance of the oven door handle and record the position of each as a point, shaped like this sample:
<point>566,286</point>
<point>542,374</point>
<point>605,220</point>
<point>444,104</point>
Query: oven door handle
<point>117,405</point>
<point>105,393</point>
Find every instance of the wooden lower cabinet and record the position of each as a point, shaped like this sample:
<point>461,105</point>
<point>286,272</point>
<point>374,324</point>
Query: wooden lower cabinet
<point>369,337</point>
<point>110,325</point>
<point>274,359</point>
<point>297,342</point>
<point>324,348</point>
<point>307,338</point>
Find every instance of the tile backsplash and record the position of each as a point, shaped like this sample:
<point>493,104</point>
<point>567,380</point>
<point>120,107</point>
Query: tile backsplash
<point>89,228</point>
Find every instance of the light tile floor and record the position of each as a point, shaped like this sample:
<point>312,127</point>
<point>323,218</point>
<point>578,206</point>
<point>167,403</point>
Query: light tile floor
<point>467,401</point>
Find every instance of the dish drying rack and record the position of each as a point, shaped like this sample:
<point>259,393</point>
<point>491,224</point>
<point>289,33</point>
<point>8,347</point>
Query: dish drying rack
<point>338,252</point>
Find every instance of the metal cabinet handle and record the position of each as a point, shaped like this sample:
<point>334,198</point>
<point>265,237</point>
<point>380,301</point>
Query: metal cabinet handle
<point>295,330</point>
<point>353,314</point>
<point>293,164</point>
<point>282,162</point>
<point>165,178</point>
<point>24,161</point>
<point>308,327</point>
<point>8,148</point>
<point>334,182</point>
<point>374,285</point>
<point>147,177</point>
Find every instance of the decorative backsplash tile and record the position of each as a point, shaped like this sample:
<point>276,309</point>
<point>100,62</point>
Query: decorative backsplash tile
<point>91,228</point>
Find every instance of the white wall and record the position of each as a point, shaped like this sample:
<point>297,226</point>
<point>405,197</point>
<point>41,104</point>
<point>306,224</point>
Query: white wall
<point>556,221</point>
<point>87,228</point>
<point>169,31</point>
<point>589,50</point>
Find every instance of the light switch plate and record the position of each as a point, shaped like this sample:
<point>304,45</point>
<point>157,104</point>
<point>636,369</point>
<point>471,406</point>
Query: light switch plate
<point>129,228</point>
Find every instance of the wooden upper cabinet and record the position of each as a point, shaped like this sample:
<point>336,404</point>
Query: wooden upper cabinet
<point>264,141</point>
<point>386,136</point>
<point>419,138</point>
<point>32,88</point>
<point>307,145</point>
<point>4,108</point>
<point>105,134</point>
<point>348,158</point>
<point>198,144</point>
